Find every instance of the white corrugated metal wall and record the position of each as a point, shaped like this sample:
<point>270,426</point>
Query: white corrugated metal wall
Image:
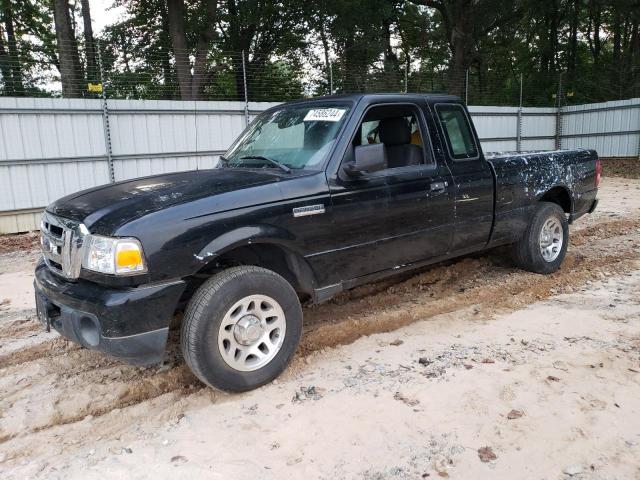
<point>611,128</point>
<point>498,128</point>
<point>53,147</point>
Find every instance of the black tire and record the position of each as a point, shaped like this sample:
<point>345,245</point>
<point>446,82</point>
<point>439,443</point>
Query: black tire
<point>207,309</point>
<point>527,253</point>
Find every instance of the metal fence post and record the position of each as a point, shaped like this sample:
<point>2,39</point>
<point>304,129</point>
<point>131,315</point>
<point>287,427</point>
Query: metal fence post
<point>559,94</point>
<point>638,135</point>
<point>466,87</point>
<point>105,118</point>
<point>246,93</point>
<point>519,124</point>
<point>406,76</point>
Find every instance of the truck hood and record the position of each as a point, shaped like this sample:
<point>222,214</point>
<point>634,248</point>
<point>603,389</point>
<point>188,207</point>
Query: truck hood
<point>118,203</point>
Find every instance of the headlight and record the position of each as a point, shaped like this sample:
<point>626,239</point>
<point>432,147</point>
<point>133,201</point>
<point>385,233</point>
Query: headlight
<point>119,256</point>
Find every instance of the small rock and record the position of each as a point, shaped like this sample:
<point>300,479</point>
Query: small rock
<point>397,342</point>
<point>307,360</point>
<point>513,414</point>
<point>486,454</point>
<point>572,470</point>
<point>412,402</point>
<point>467,366</point>
<point>165,368</point>
<point>178,459</point>
<point>350,382</point>
<point>424,361</point>
<point>560,365</point>
<point>305,393</point>
<point>551,378</point>
<point>488,360</point>
<point>92,452</point>
<point>165,442</point>
<point>127,450</point>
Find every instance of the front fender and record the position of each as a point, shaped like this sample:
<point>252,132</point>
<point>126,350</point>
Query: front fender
<point>274,251</point>
<point>244,236</point>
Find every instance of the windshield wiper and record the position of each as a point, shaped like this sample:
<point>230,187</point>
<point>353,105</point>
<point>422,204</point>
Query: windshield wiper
<point>273,162</point>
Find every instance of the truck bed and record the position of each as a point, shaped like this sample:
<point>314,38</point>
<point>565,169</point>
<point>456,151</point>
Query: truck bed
<point>523,178</point>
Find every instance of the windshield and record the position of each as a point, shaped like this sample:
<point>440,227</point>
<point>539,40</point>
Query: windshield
<point>297,137</point>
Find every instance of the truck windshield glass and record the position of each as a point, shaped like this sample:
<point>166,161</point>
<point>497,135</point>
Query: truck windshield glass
<point>296,137</point>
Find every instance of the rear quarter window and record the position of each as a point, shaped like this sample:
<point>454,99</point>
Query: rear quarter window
<point>457,131</point>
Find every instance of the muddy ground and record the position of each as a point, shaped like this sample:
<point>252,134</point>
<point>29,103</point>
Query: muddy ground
<point>467,370</point>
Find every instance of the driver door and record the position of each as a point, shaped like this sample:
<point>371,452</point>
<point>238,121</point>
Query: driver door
<point>395,216</point>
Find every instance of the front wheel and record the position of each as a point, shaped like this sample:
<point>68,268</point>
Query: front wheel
<point>544,244</point>
<point>241,328</point>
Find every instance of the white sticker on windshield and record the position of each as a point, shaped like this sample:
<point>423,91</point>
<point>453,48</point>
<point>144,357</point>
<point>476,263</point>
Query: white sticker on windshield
<point>324,115</point>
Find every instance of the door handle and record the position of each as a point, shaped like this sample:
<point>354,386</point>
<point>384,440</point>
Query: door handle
<point>438,187</point>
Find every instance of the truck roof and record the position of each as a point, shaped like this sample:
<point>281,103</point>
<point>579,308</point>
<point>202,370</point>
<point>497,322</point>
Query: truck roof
<point>430,97</point>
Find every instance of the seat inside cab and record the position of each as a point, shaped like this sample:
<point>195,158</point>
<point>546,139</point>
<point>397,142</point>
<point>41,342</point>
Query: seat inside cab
<point>397,128</point>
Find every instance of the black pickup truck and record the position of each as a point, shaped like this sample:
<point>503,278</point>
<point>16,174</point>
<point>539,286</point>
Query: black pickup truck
<point>314,197</point>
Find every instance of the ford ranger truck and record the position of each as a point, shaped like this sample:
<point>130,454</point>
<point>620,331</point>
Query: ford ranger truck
<point>314,197</point>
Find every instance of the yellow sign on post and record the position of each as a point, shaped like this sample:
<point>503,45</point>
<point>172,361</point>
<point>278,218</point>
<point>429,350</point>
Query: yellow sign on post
<point>94,87</point>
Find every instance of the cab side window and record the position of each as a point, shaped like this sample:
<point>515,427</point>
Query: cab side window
<point>457,131</point>
<point>398,128</point>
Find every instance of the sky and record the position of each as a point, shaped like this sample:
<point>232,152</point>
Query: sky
<point>102,14</point>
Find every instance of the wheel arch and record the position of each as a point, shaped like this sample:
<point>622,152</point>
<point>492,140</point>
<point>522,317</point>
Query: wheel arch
<point>559,195</point>
<point>264,246</point>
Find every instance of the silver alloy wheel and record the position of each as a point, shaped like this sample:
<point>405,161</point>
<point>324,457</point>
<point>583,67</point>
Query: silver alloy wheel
<point>551,239</point>
<point>251,333</point>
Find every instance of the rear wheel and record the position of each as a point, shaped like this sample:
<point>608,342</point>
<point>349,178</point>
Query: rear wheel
<point>241,328</point>
<point>543,246</point>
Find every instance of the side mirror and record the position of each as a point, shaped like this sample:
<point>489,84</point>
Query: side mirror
<point>368,159</point>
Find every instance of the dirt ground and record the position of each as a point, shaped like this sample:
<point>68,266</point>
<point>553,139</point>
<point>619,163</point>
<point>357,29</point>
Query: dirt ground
<point>467,370</point>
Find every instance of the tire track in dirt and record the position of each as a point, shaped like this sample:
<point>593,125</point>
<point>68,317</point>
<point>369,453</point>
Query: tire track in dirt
<point>83,382</point>
<point>19,328</point>
<point>488,283</point>
<point>46,349</point>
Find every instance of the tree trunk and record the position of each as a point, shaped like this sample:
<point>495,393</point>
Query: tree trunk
<point>16,84</point>
<point>393,79</point>
<point>573,38</point>
<point>5,64</point>
<point>634,58</point>
<point>89,44</point>
<point>461,45</point>
<point>457,18</point>
<point>69,59</point>
<point>595,22</point>
<point>191,84</point>
<point>176,14</point>
<point>327,61</point>
<point>165,47</point>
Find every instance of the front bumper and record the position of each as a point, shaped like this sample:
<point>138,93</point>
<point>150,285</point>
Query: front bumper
<point>128,323</point>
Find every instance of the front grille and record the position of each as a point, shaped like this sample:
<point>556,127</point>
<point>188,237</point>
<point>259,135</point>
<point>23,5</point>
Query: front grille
<point>61,240</point>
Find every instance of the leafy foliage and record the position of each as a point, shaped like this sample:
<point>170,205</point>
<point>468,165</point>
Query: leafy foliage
<point>284,49</point>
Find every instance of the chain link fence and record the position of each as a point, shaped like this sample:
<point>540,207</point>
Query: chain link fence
<point>119,73</point>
